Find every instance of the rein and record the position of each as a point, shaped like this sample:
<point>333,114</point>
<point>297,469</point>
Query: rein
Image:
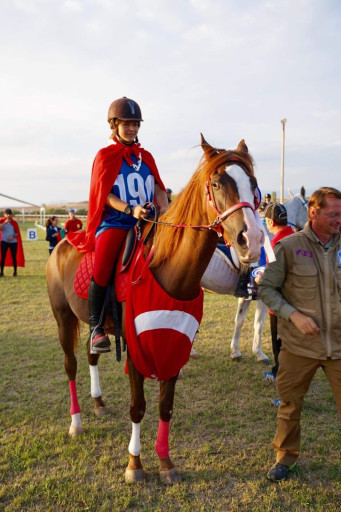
<point>215,224</point>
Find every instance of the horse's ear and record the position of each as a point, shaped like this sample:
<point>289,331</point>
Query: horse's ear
<point>207,148</point>
<point>242,146</point>
<point>302,192</point>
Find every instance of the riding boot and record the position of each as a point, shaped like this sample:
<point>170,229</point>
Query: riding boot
<point>242,288</point>
<point>99,341</point>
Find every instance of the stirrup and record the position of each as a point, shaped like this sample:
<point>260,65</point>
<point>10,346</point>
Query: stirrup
<point>99,342</point>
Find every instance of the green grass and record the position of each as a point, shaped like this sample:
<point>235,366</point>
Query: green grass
<point>221,431</point>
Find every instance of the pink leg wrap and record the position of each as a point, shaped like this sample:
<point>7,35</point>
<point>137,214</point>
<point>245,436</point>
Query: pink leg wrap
<point>74,409</point>
<point>161,445</point>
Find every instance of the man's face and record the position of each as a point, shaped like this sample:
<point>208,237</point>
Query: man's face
<point>8,216</point>
<point>327,220</point>
<point>72,215</point>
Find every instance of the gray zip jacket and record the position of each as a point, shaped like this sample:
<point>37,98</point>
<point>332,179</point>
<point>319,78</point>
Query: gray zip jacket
<point>307,278</point>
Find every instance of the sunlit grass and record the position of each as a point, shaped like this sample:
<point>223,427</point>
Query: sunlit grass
<point>220,435</point>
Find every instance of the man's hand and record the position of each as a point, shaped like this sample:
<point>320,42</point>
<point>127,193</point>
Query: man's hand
<point>304,323</point>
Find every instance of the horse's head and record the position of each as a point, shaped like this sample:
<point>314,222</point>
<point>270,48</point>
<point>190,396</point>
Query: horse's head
<point>297,208</point>
<point>233,194</point>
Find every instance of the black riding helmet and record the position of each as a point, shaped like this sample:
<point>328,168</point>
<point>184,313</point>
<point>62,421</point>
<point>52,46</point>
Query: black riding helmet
<point>125,109</point>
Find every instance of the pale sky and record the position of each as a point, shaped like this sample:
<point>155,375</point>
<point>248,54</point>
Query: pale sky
<point>231,69</point>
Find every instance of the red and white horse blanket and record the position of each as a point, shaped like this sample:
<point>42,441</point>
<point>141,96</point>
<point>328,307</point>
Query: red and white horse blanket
<point>160,329</point>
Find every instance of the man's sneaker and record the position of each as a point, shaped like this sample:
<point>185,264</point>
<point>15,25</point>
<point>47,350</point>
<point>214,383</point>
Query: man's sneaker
<point>280,471</point>
<point>14,274</point>
<point>276,402</point>
<point>269,376</point>
<point>100,342</point>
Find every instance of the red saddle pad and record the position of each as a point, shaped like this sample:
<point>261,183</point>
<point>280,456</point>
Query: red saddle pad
<point>85,271</point>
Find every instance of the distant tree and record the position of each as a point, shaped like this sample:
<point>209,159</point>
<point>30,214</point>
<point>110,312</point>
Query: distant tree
<point>82,211</point>
<point>56,211</point>
<point>274,197</point>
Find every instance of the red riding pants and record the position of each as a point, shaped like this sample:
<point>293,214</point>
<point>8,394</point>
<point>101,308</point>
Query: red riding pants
<point>107,248</point>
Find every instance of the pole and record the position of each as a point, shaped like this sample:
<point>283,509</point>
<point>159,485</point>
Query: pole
<point>283,121</point>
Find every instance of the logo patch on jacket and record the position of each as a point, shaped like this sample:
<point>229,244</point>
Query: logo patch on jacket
<point>308,254</point>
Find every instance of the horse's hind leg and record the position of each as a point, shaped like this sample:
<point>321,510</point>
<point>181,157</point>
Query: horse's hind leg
<point>68,333</point>
<point>242,309</point>
<point>95,390</point>
<point>260,315</point>
<point>168,472</point>
<point>134,471</point>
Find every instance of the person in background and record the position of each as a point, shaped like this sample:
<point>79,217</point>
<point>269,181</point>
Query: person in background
<point>53,232</point>
<point>267,200</point>
<point>124,177</point>
<point>73,224</point>
<point>10,239</point>
<point>303,288</point>
<point>276,219</point>
<point>169,194</point>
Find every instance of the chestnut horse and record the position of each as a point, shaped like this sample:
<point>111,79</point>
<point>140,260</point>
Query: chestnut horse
<point>220,197</point>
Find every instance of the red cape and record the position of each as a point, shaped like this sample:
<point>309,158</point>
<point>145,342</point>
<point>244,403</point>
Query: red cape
<point>20,251</point>
<point>105,169</point>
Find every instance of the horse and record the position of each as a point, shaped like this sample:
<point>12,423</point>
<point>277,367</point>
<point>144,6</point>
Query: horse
<point>222,274</point>
<point>221,191</point>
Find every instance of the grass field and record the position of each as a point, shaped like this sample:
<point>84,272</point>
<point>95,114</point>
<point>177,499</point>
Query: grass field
<point>221,431</point>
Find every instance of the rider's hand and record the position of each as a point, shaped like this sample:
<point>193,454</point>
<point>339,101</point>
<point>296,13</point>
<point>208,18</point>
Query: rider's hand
<point>304,323</point>
<point>139,212</point>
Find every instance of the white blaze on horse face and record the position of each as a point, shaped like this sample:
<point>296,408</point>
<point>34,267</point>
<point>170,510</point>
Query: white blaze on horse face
<point>253,235</point>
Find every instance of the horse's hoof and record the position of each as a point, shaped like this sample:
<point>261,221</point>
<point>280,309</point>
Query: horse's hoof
<point>75,432</point>
<point>265,361</point>
<point>236,359</point>
<point>134,476</point>
<point>194,354</point>
<point>170,477</point>
<point>181,375</point>
<point>101,411</point>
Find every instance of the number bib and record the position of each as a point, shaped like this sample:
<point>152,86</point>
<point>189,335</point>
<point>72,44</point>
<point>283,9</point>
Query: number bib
<point>132,187</point>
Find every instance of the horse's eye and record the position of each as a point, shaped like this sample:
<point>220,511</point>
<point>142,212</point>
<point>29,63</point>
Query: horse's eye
<point>215,184</point>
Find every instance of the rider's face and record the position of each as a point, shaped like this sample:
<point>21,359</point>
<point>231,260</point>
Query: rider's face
<point>128,130</point>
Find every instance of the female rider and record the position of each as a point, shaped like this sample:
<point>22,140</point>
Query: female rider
<point>124,177</point>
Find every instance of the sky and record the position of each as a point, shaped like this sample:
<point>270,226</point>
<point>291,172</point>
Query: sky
<point>230,69</point>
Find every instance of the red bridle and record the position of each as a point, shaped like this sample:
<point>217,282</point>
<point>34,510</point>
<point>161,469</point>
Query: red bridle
<point>222,216</point>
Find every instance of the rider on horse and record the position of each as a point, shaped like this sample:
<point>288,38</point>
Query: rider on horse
<point>124,177</point>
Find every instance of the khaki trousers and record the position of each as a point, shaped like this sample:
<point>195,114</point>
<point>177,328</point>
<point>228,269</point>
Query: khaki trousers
<point>293,380</point>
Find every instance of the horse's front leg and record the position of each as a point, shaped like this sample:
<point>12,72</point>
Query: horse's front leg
<point>95,388</point>
<point>168,472</point>
<point>260,315</point>
<point>134,471</point>
<point>242,309</point>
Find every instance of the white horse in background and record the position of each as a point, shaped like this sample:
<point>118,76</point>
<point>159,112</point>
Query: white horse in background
<point>222,275</point>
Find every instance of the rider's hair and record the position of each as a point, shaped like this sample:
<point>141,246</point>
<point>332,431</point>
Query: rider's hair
<point>318,198</point>
<point>50,220</point>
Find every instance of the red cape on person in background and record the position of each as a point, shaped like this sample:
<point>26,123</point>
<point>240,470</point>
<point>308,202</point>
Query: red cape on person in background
<point>20,251</point>
<point>105,169</point>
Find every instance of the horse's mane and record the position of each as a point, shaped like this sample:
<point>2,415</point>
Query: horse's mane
<point>190,205</point>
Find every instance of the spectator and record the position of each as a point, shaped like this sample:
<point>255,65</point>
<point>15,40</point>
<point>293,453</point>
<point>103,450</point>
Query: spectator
<point>276,219</point>
<point>73,224</point>
<point>303,288</point>
<point>10,239</point>
<point>267,200</point>
<point>169,193</point>
<point>53,232</point>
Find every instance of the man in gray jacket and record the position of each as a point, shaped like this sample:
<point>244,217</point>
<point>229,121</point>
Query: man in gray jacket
<point>303,288</point>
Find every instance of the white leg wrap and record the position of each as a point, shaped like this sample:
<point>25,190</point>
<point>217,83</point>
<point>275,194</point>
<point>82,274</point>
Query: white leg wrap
<point>135,445</point>
<point>94,379</point>
<point>76,421</point>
